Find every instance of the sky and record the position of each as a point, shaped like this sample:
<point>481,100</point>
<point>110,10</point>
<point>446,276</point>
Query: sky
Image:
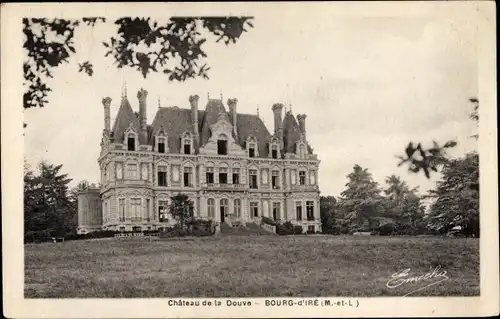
<point>368,84</point>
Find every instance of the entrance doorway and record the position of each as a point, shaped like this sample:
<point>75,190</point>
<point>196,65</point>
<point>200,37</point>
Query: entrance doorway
<point>223,209</point>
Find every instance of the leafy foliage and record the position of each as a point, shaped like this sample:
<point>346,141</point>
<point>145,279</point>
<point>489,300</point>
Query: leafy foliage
<point>173,47</point>
<point>49,210</point>
<point>457,197</point>
<point>181,209</point>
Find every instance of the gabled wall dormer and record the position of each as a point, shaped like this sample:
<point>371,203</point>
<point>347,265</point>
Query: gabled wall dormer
<point>187,146</point>
<point>131,139</point>
<point>221,141</point>
<point>252,148</point>
<point>274,148</point>
<point>161,142</point>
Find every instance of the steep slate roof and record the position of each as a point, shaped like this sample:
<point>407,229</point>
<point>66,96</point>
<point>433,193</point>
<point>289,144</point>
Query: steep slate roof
<point>175,121</point>
<point>291,132</point>
<point>123,119</point>
<point>249,124</point>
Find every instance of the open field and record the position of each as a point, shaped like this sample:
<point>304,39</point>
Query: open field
<point>254,266</point>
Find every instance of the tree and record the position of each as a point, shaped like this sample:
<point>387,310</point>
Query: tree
<point>361,200</point>
<point>48,210</point>
<point>457,200</point>
<point>173,47</point>
<point>181,208</point>
<point>403,205</point>
<point>327,213</point>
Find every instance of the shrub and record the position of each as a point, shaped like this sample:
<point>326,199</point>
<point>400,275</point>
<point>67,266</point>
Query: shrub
<point>286,228</point>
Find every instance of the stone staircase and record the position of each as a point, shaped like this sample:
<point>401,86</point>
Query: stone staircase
<point>249,229</point>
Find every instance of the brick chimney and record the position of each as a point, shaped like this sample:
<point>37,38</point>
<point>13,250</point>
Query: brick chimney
<point>107,117</point>
<point>193,100</point>
<point>142,96</point>
<point>232,108</point>
<point>302,124</point>
<point>278,122</point>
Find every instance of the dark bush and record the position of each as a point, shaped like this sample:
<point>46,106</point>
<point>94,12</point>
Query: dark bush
<point>286,228</point>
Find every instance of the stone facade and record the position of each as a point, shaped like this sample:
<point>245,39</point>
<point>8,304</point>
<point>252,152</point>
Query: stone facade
<point>226,162</point>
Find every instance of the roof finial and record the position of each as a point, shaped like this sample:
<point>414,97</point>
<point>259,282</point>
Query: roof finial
<point>258,111</point>
<point>221,98</point>
<point>125,89</point>
<point>159,105</point>
<point>208,95</point>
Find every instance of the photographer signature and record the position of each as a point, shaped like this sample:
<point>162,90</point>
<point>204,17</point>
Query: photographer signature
<point>403,277</point>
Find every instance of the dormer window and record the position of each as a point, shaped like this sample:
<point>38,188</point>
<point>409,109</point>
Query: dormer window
<point>222,145</point>
<point>187,143</point>
<point>161,145</point>
<point>274,151</point>
<point>131,143</point>
<point>274,148</point>
<point>252,149</point>
<point>302,152</point>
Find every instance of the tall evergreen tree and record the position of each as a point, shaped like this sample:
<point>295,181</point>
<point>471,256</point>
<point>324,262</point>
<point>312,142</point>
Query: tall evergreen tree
<point>361,200</point>
<point>457,197</point>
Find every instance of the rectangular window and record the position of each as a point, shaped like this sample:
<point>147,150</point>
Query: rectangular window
<point>137,228</point>
<point>253,178</point>
<point>237,207</point>
<point>222,175</point>
<point>274,151</point>
<point>161,147</point>
<point>302,178</point>
<point>105,213</point>
<point>251,151</point>
<point>188,176</point>
<point>236,175</point>
<point>275,179</point>
<point>211,207</point>
<point>187,147</point>
<point>162,211</point>
<point>298,210</point>
<point>293,176</point>
<point>121,209</point>
<point>221,147</point>
<point>311,229</point>
<point>132,171</point>
<point>122,229</point>
<point>254,209</point>
<point>135,209</point>
<point>310,210</point>
<point>131,144</point>
<point>210,175</point>
<point>162,176</point>
<point>276,211</point>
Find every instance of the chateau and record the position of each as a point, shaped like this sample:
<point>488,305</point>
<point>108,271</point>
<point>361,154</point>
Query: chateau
<point>227,162</point>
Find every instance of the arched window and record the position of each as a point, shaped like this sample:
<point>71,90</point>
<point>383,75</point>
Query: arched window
<point>211,208</point>
<point>237,207</point>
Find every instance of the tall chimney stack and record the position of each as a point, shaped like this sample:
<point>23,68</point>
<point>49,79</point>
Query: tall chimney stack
<point>142,96</point>
<point>232,108</point>
<point>278,122</point>
<point>302,124</point>
<point>193,100</point>
<point>107,117</point>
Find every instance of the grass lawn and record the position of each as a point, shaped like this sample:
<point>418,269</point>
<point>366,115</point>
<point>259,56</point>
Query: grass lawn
<point>249,266</point>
